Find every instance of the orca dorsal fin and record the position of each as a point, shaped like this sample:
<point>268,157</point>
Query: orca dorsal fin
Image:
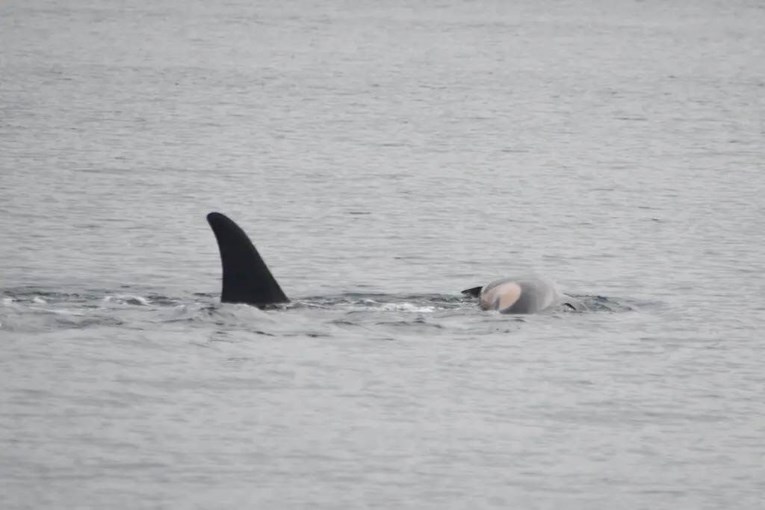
<point>246,278</point>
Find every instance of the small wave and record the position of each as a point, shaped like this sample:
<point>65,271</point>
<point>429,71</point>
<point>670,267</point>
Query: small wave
<point>599,303</point>
<point>416,303</point>
<point>127,300</point>
<point>407,307</point>
<point>37,295</point>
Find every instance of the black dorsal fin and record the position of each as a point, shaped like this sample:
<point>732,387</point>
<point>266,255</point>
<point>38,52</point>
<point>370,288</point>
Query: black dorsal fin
<point>472,292</point>
<point>246,278</point>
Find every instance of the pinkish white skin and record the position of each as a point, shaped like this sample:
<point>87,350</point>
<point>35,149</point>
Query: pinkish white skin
<point>522,295</point>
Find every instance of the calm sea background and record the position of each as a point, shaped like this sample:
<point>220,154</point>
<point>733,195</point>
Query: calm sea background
<point>382,156</point>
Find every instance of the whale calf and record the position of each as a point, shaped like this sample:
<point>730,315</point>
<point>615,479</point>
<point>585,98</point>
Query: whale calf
<point>521,295</point>
<point>246,279</point>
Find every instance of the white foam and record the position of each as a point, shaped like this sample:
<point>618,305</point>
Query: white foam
<point>407,307</point>
<point>136,300</point>
<point>64,311</point>
<point>127,299</point>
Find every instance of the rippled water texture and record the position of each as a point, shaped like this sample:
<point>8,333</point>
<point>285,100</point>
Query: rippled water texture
<point>383,157</point>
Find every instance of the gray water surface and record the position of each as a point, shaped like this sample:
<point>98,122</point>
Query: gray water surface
<point>383,157</point>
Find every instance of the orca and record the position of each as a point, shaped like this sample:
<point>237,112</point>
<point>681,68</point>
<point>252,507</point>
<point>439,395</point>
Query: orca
<point>247,280</point>
<point>521,296</point>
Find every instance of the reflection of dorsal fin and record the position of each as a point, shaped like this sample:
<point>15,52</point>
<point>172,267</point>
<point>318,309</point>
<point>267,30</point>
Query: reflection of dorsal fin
<point>474,292</point>
<point>246,279</point>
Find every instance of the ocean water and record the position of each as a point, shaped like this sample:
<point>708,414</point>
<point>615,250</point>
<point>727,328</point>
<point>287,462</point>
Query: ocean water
<point>382,157</point>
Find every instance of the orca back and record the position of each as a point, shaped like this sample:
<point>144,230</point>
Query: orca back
<point>246,278</point>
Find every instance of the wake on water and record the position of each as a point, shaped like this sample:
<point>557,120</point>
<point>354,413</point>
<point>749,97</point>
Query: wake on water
<point>35,309</point>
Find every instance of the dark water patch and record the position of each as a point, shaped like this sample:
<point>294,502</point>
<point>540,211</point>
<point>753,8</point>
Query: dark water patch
<point>227,337</point>
<point>419,322</point>
<point>599,303</point>
<point>42,296</point>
